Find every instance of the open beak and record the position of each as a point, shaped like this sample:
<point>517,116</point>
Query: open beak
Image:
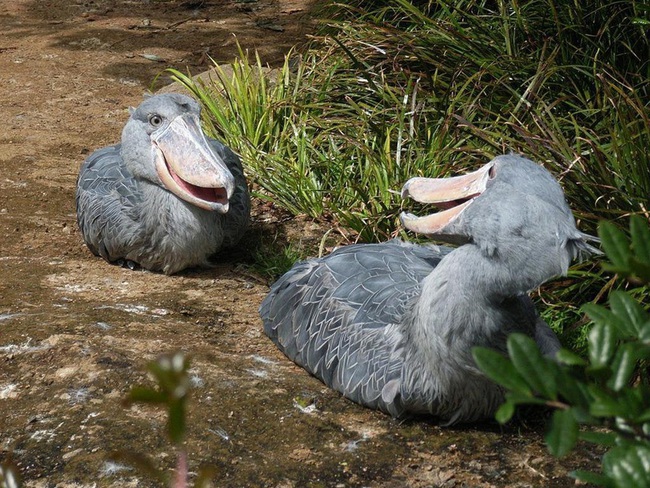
<point>453,195</point>
<point>189,167</point>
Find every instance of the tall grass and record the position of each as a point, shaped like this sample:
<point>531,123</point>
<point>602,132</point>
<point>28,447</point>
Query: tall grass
<point>336,144</point>
<point>434,87</point>
<point>395,89</point>
<point>564,82</point>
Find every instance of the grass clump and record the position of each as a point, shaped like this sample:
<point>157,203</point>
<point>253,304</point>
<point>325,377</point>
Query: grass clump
<point>276,259</point>
<point>392,90</point>
<point>401,88</point>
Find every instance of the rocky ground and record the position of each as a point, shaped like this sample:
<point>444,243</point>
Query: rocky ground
<point>76,333</point>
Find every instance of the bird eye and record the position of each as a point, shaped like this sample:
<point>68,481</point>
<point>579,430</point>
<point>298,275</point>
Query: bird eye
<point>492,172</point>
<point>155,120</point>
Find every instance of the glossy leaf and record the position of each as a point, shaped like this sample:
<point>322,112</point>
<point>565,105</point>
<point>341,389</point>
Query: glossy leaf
<point>532,366</point>
<point>615,244</point>
<point>602,345</point>
<point>593,478</point>
<point>524,398</point>
<point>573,390</point>
<point>601,438</point>
<point>640,233</point>
<point>628,466</point>
<point>604,405</point>
<point>624,365</point>
<point>500,369</point>
<point>583,416</point>
<point>644,333</point>
<point>570,358</point>
<point>604,316</point>
<point>563,433</point>
<point>505,412</point>
<point>628,310</point>
<point>640,268</point>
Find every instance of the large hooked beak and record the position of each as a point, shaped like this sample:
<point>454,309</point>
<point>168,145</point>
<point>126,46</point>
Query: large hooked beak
<point>189,167</point>
<point>453,195</point>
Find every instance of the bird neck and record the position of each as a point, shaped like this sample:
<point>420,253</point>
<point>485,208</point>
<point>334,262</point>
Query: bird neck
<point>471,298</point>
<point>487,275</point>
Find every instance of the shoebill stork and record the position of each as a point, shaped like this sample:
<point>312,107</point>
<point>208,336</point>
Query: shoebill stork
<point>167,197</point>
<point>391,326</point>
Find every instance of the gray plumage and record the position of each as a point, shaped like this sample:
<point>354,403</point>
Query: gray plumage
<point>167,197</point>
<point>391,326</point>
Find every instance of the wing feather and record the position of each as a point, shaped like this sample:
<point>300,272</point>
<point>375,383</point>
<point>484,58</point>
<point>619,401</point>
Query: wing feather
<point>107,202</point>
<point>341,317</point>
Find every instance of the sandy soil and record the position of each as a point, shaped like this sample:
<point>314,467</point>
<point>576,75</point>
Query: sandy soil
<point>76,333</point>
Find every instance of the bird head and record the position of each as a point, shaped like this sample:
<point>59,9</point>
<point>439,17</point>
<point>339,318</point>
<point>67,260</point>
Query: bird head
<point>511,208</point>
<point>163,142</point>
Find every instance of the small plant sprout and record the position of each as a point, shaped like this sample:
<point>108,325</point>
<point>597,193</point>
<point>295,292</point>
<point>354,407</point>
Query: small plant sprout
<point>173,385</point>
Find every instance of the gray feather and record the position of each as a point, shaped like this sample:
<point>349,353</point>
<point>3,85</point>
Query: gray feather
<point>392,326</point>
<point>126,213</point>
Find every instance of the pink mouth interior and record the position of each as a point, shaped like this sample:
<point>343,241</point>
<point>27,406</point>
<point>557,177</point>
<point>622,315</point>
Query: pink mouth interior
<point>454,203</point>
<point>213,195</point>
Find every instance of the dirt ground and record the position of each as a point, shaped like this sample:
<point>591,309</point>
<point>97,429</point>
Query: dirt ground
<point>76,332</point>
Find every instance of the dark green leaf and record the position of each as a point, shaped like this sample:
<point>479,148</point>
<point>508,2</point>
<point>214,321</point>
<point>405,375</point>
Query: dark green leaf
<point>571,389</point>
<point>604,405</point>
<point>634,399</point>
<point>524,398</point>
<point>583,416</point>
<point>623,366</point>
<point>499,369</point>
<point>601,438</point>
<point>165,378</point>
<point>505,412</point>
<point>563,433</point>
<point>644,334</point>
<point>629,466</point>
<point>644,417</point>
<point>567,357</point>
<point>533,367</point>
<point>628,310</point>
<point>604,316</point>
<point>593,478</point>
<point>640,268</point>
<point>615,243</point>
<point>602,345</point>
<point>640,233</point>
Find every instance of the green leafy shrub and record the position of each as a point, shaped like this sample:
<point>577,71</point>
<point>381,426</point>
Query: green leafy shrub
<point>609,391</point>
